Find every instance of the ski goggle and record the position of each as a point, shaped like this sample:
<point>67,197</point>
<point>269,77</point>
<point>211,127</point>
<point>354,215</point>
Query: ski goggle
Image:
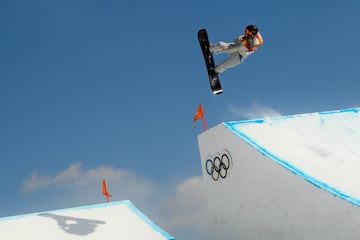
<point>251,33</point>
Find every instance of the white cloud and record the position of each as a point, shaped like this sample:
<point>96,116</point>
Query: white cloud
<point>254,111</point>
<point>77,186</point>
<point>186,207</point>
<point>73,176</point>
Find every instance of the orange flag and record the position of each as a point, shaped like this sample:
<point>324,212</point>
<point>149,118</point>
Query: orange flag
<point>200,115</point>
<point>105,191</point>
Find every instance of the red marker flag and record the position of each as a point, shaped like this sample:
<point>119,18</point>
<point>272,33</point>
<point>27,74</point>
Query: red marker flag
<point>105,191</point>
<point>200,115</point>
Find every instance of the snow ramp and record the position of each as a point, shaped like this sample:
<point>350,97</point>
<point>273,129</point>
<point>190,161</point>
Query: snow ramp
<point>110,221</point>
<point>290,177</point>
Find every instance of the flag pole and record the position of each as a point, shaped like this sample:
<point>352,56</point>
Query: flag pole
<point>204,122</point>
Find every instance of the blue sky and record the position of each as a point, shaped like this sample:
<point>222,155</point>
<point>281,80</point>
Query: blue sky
<point>108,89</point>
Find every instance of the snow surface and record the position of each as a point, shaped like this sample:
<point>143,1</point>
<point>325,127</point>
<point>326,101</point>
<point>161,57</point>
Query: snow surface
<point>323,148</point>
<point>115,220</point>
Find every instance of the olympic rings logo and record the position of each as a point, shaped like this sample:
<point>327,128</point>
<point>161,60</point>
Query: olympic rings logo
<point>218,166</point>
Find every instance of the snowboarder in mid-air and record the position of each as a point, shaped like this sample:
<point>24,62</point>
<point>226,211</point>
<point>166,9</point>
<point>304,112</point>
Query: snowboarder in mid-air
<point>239,50</point>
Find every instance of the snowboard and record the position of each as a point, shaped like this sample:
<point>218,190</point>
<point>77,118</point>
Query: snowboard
<point>209,61</point>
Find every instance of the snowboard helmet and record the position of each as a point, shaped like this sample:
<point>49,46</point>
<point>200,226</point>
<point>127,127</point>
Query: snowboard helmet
<point>251,30</point>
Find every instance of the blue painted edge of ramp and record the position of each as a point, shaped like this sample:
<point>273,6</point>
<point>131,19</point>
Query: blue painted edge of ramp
<point>290,167</point>
<point>128,203</point>
<point>148,221</point>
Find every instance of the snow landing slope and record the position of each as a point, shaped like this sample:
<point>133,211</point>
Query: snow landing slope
<point>110,221</point>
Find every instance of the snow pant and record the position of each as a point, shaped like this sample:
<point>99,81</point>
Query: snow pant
<point>233,60</point>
